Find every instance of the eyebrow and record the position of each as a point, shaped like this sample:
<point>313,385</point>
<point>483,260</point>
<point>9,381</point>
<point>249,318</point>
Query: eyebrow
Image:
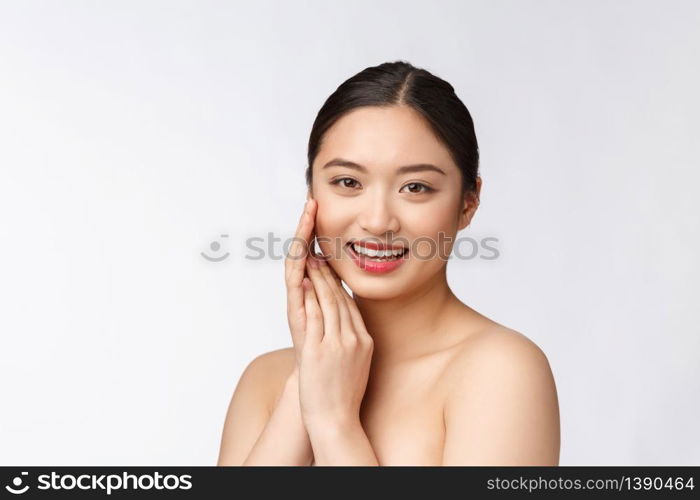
<point>406,169</point>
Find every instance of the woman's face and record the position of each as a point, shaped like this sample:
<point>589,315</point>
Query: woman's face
<point>421,209</point>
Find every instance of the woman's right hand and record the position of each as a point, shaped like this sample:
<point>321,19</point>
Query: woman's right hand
<point>295,270</point>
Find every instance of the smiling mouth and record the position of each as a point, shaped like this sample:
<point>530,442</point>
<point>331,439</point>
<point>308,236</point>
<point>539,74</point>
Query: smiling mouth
<point>350,248</point>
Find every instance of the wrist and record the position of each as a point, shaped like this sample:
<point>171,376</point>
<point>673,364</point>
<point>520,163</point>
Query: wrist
<point>332,427</point>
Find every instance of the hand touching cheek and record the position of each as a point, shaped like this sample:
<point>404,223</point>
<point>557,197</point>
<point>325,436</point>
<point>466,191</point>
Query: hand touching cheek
<point>337,352</point>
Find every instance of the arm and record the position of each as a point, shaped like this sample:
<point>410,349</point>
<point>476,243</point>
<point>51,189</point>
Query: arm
<point>503,407</point>
<point>253,433</point>
<point>341,443</point>
<point>284,441</point>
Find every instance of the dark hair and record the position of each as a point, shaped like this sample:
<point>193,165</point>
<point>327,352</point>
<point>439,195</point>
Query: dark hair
<point>400,83</point>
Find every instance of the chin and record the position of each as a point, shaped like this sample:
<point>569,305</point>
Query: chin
<point>374,292</point>
<point>375,288</point>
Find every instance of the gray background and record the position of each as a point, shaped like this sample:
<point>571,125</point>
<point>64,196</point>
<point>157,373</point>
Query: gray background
<point>134,134</point>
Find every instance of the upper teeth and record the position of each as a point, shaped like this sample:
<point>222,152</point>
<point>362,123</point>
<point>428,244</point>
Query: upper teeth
<point>376,253</point>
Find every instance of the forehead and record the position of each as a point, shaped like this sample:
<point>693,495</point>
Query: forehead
<point>384,137</point>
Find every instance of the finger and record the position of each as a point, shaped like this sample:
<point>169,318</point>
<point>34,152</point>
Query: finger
<point>294,272</point>
<point>347,326</point>
<point>357,320</point>
<point>298,250</point>
<point>334,275</point>
<point>327,300</point>
<point>314,316</point>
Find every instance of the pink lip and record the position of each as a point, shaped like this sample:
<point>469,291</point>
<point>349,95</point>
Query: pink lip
<point>375,246</point>
<point>373,266</point>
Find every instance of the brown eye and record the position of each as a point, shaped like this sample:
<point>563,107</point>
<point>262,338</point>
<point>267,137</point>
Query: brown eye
<point>344,182</point>
<point>418,185</point>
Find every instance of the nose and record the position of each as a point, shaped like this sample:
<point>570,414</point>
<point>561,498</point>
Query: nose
<point>377,216</point>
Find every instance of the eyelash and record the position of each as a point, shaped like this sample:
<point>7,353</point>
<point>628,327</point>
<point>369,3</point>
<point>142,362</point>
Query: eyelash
<point>427,189</point>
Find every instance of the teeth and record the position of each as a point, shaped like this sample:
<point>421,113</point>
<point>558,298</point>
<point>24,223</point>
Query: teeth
<point>377,253</point>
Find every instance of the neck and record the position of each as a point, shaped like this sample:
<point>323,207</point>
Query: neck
<point>408,325</point>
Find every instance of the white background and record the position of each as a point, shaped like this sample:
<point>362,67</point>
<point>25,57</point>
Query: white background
<point>133,134</point>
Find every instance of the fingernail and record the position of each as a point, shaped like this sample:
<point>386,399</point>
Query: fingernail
<point>313,263</point>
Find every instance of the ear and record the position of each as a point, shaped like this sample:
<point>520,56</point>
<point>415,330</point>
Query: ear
<point>470,205</point>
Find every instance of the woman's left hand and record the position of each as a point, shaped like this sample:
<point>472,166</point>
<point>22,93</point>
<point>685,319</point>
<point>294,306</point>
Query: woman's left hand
<point>337,351</point>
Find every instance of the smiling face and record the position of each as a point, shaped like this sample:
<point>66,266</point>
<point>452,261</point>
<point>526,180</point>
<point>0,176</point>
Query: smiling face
<point>375,201</point>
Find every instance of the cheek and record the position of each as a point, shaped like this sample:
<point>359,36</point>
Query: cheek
<point>431,217</point>
<point>433,234</point>
<point>329,233</point>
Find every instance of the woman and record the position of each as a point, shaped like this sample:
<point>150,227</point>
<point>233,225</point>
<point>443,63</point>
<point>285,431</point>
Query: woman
<point>401,372</point>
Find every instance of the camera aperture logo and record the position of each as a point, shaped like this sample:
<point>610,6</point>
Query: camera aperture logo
<point>105,482</point>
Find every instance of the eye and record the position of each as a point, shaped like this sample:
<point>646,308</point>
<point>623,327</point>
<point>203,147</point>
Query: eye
<point>351,183</point>
<point>338,181</point>
<point>426,190</point>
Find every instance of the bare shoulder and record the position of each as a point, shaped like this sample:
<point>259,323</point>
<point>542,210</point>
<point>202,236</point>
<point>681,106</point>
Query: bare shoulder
<point>270,370</point>
<point>252,403</point>
<point>280,361</point>
<point>501,399</point>
<point>500,345</point>
<point>500,354</point>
